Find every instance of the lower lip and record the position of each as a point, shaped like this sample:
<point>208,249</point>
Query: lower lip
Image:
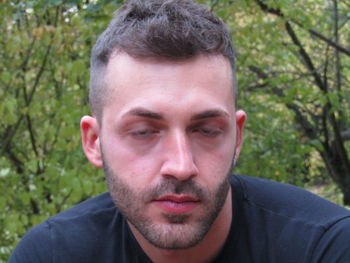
<point>176,208</point>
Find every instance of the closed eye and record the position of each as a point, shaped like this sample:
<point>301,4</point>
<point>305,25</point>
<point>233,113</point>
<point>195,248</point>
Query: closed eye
<point>143,133</point>
<point>208,132</point>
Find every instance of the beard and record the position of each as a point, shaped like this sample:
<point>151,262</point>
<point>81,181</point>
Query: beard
<point>181,231</point>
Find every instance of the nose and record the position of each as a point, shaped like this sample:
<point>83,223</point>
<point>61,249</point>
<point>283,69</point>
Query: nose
<point>179,162</point>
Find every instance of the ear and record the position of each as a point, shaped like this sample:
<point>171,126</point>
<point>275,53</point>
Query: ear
<point>240,120</point>
<point>90,135</point>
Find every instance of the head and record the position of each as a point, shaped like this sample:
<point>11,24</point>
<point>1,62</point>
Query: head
<point>164,124</point>
<point>166,29</point>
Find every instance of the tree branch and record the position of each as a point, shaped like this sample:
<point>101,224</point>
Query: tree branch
<point>41,71</point>
<point>329,41</point>
<point>307,127</point>
<point>338,81</point>
<point>313,32</point>
<point>345,135</point>
<point>15,160</point>
<point>31,133</point>
<point>9,134</point>
<point>35,207</point>
<point>11,130</point>
<point>306,58</point>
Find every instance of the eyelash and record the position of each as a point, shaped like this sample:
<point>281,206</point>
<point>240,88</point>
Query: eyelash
<point>208,132</point>
<point>143,132</point>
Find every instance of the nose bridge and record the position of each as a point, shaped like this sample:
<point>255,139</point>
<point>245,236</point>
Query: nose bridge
<point>182,150</point>
<point>180,160</point>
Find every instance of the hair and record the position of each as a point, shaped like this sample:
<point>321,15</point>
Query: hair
<point>168,29</point>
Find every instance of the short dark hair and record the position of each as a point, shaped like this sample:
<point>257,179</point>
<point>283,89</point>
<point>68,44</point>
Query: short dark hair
<point>171,29</point>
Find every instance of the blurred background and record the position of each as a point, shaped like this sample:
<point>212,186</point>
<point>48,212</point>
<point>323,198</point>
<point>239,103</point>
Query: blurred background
<point>293,66</point>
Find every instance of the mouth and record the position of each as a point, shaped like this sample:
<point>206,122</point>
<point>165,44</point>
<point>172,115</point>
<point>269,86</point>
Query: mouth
<point>176,204</point>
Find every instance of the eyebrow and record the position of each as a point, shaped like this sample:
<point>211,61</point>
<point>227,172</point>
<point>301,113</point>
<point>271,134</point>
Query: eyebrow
<point>209,114</point>
<point>141,112</point>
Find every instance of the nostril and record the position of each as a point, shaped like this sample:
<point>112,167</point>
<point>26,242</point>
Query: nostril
<point>179,162</point>
<point>180,171</point>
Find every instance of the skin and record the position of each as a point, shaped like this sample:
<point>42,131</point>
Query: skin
<point>167,139</point>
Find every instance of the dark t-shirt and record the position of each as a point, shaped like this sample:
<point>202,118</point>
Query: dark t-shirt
<point>272,222</point>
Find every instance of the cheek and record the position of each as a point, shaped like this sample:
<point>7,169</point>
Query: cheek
<point>134,167</point>
<point>218,157</point>
<point>214,165</point>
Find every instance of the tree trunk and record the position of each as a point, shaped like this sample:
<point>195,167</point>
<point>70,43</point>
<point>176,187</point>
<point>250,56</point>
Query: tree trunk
<point>338,171</point>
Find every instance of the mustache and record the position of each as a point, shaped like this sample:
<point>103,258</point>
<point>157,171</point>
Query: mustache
<point>174,186</point>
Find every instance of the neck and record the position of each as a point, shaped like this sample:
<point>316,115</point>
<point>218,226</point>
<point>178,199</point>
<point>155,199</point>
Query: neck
<point>206,251</point>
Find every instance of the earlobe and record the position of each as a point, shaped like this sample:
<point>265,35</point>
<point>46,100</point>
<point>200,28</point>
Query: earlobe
<point>90,135</point>
<point>240,121</point>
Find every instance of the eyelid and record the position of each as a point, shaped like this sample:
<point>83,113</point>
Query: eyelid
<point>142,129</point>
<point>218,123</point>
<point>212,129</point>
<point>138,132</point>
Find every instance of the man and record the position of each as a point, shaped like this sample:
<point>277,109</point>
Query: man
<point>166,131</point>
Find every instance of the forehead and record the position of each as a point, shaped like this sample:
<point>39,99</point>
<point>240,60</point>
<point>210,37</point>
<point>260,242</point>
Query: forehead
<point>205,80</point>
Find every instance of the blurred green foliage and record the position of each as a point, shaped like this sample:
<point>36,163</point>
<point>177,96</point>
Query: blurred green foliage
<point>44,67</point>
<point>293,71</point>
<point>45,47</point>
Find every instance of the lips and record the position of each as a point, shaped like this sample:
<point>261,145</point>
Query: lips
<point>176,204</point>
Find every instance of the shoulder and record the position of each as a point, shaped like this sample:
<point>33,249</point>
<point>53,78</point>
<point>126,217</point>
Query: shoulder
<point>292,222</point>
<point>96,205</point>
<point>35,246</point>
<point>288,201</point>
<point>65,235</point>
<point>89,218</point>
<point>334,244</point>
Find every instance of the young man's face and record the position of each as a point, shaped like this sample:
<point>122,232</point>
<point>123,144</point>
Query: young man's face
<point>167,140</point>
